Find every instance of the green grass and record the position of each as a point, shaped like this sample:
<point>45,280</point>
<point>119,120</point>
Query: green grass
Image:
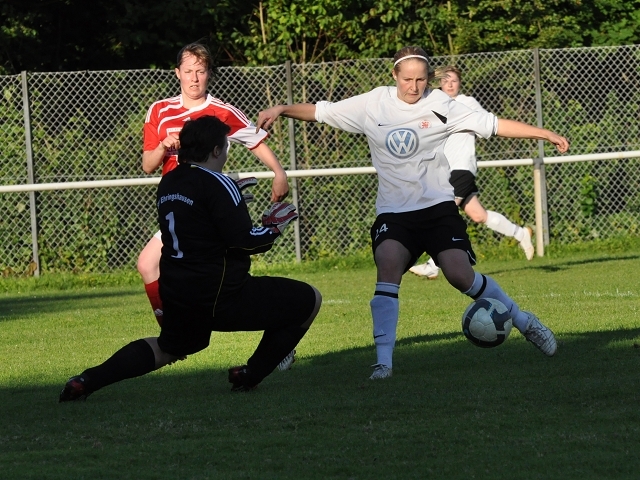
<point>451,410</point>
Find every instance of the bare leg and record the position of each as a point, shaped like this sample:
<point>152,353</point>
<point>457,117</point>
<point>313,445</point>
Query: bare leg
<point>149,269</point>
<point>149,260</point>
<point>499,223</point>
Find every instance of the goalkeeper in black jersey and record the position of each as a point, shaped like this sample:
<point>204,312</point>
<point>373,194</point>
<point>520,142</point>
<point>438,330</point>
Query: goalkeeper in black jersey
<point>207,240</point>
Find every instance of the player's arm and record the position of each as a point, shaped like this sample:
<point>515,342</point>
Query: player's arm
<point>297,111</point>
<point>251,242</point>
<point>275,221</point>
<point>241,236</point>
<point>154,148</point>
<point>514,129</point>
<point>230,215</point>
<point>280,185</point>
<point>152,159</point>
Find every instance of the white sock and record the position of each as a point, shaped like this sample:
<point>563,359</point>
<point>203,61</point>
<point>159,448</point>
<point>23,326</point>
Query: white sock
<point>499,223</point>
<point>385,311</point>
<point>486,287</point>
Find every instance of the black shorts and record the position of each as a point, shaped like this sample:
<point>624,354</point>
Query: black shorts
<point>431,230</point>
<point>464,185</point>
<point>262,303</point>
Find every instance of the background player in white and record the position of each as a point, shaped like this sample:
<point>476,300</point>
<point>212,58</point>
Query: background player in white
<point>460,151</point>
<point>162,126</point>
<point>208,238</point>
<point>406,127</point>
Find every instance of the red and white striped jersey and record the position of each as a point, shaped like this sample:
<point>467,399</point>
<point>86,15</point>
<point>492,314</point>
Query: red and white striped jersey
<point>168,116</point>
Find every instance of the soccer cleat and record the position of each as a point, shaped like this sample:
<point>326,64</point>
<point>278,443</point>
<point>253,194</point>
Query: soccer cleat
<point>286,363</point>
<point>526,244</point>
<point>75,389</point>
<point>380,371</point>
<point>238,377</point>
<point>428,270</point>
<point>541,336</point>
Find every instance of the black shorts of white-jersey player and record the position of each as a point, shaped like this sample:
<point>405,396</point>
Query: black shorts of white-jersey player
<point>406,127</point>
<point>208,238</point>
<point>465,191</point>
<point>460,150</point>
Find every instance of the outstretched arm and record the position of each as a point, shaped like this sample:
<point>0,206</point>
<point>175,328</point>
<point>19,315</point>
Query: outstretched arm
<point>280,186</point>
<point>299,111</point>
<point>515,129</point>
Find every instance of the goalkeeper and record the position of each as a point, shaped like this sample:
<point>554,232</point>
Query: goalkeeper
<point>207,240</point>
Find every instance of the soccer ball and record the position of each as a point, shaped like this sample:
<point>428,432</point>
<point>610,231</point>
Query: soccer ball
<point>486,322</point>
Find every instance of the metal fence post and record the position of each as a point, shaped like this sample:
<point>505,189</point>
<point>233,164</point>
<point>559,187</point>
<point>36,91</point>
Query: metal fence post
<point>539,179</point>
<point>292,160</point>
<point>30,176</point>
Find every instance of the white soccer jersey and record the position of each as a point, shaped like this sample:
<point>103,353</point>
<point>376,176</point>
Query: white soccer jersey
<point>460,148</point>
<point>407,142</point>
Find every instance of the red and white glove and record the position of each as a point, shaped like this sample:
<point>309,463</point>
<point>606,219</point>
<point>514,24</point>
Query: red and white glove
<point>246,183</point>
<point>279,216</point>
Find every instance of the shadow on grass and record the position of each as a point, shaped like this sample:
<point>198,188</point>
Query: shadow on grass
<point>451,410</point>
<point>17,306</point>
<point>570,416</point>
<point>558,266</point>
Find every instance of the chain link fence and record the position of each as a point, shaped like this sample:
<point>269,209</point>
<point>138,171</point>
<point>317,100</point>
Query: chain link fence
<point>84,126</point>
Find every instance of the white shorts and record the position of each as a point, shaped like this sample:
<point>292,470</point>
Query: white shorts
<point>158,235</point>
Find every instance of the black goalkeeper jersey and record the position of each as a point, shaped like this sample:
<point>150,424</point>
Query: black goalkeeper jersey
<point>207,236</point>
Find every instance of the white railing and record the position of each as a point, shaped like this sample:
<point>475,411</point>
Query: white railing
<point>318,172</point>
<point>538,180</point>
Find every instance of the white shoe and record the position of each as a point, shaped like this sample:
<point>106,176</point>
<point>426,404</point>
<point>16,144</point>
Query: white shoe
<point>541,336</point>
<point>286,363</point>
<point>425,270</point>
<point>380,371</point>
<point>526,244</point>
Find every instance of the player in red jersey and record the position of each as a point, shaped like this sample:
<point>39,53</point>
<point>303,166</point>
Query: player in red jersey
<point>162,126</point>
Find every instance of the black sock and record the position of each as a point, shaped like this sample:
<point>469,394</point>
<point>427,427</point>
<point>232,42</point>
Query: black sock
<point>273,347</point>
<point>132,360</point>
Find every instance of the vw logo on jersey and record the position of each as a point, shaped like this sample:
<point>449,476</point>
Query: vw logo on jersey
<point>402,142</point>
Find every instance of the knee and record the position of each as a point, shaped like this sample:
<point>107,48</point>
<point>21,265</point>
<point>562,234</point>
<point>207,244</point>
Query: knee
<point>148,265</point>
<point>391,267</point>
<point>141,265</point>
<point>161,357</point>
<point>147,270</point>
<point>459,278</point>
<point>478,217</point>
<point>316,309</point>
<point>459,282</point>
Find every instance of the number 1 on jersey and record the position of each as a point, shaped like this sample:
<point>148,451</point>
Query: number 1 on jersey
<point>172,226</point>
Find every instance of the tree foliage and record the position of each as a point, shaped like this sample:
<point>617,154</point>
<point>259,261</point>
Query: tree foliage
<point>56,35</point>
<point>331,30</point>
<point>65,35</point>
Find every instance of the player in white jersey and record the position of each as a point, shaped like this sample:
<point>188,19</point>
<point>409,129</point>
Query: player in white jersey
<point>163,123</point>
<point>406,127</point>
<point>460,150</point>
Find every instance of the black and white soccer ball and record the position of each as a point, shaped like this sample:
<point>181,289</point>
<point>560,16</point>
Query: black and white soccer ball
<point>486,322</point>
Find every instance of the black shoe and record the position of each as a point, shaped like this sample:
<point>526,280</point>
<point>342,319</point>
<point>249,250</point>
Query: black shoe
<point>75,389</point>
<point>238,376</point>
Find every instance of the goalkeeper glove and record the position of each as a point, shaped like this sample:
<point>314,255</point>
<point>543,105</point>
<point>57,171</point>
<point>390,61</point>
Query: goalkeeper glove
<point>246,183</point>
<point>279,216</point>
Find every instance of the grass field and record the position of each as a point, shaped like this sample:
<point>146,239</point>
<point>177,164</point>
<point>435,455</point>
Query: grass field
<point>451,410</point>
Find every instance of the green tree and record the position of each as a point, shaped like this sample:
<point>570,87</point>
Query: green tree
<point>56,35</point>
<point>69,35</point>
<point>301,31</point>
<point>327,30</point>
